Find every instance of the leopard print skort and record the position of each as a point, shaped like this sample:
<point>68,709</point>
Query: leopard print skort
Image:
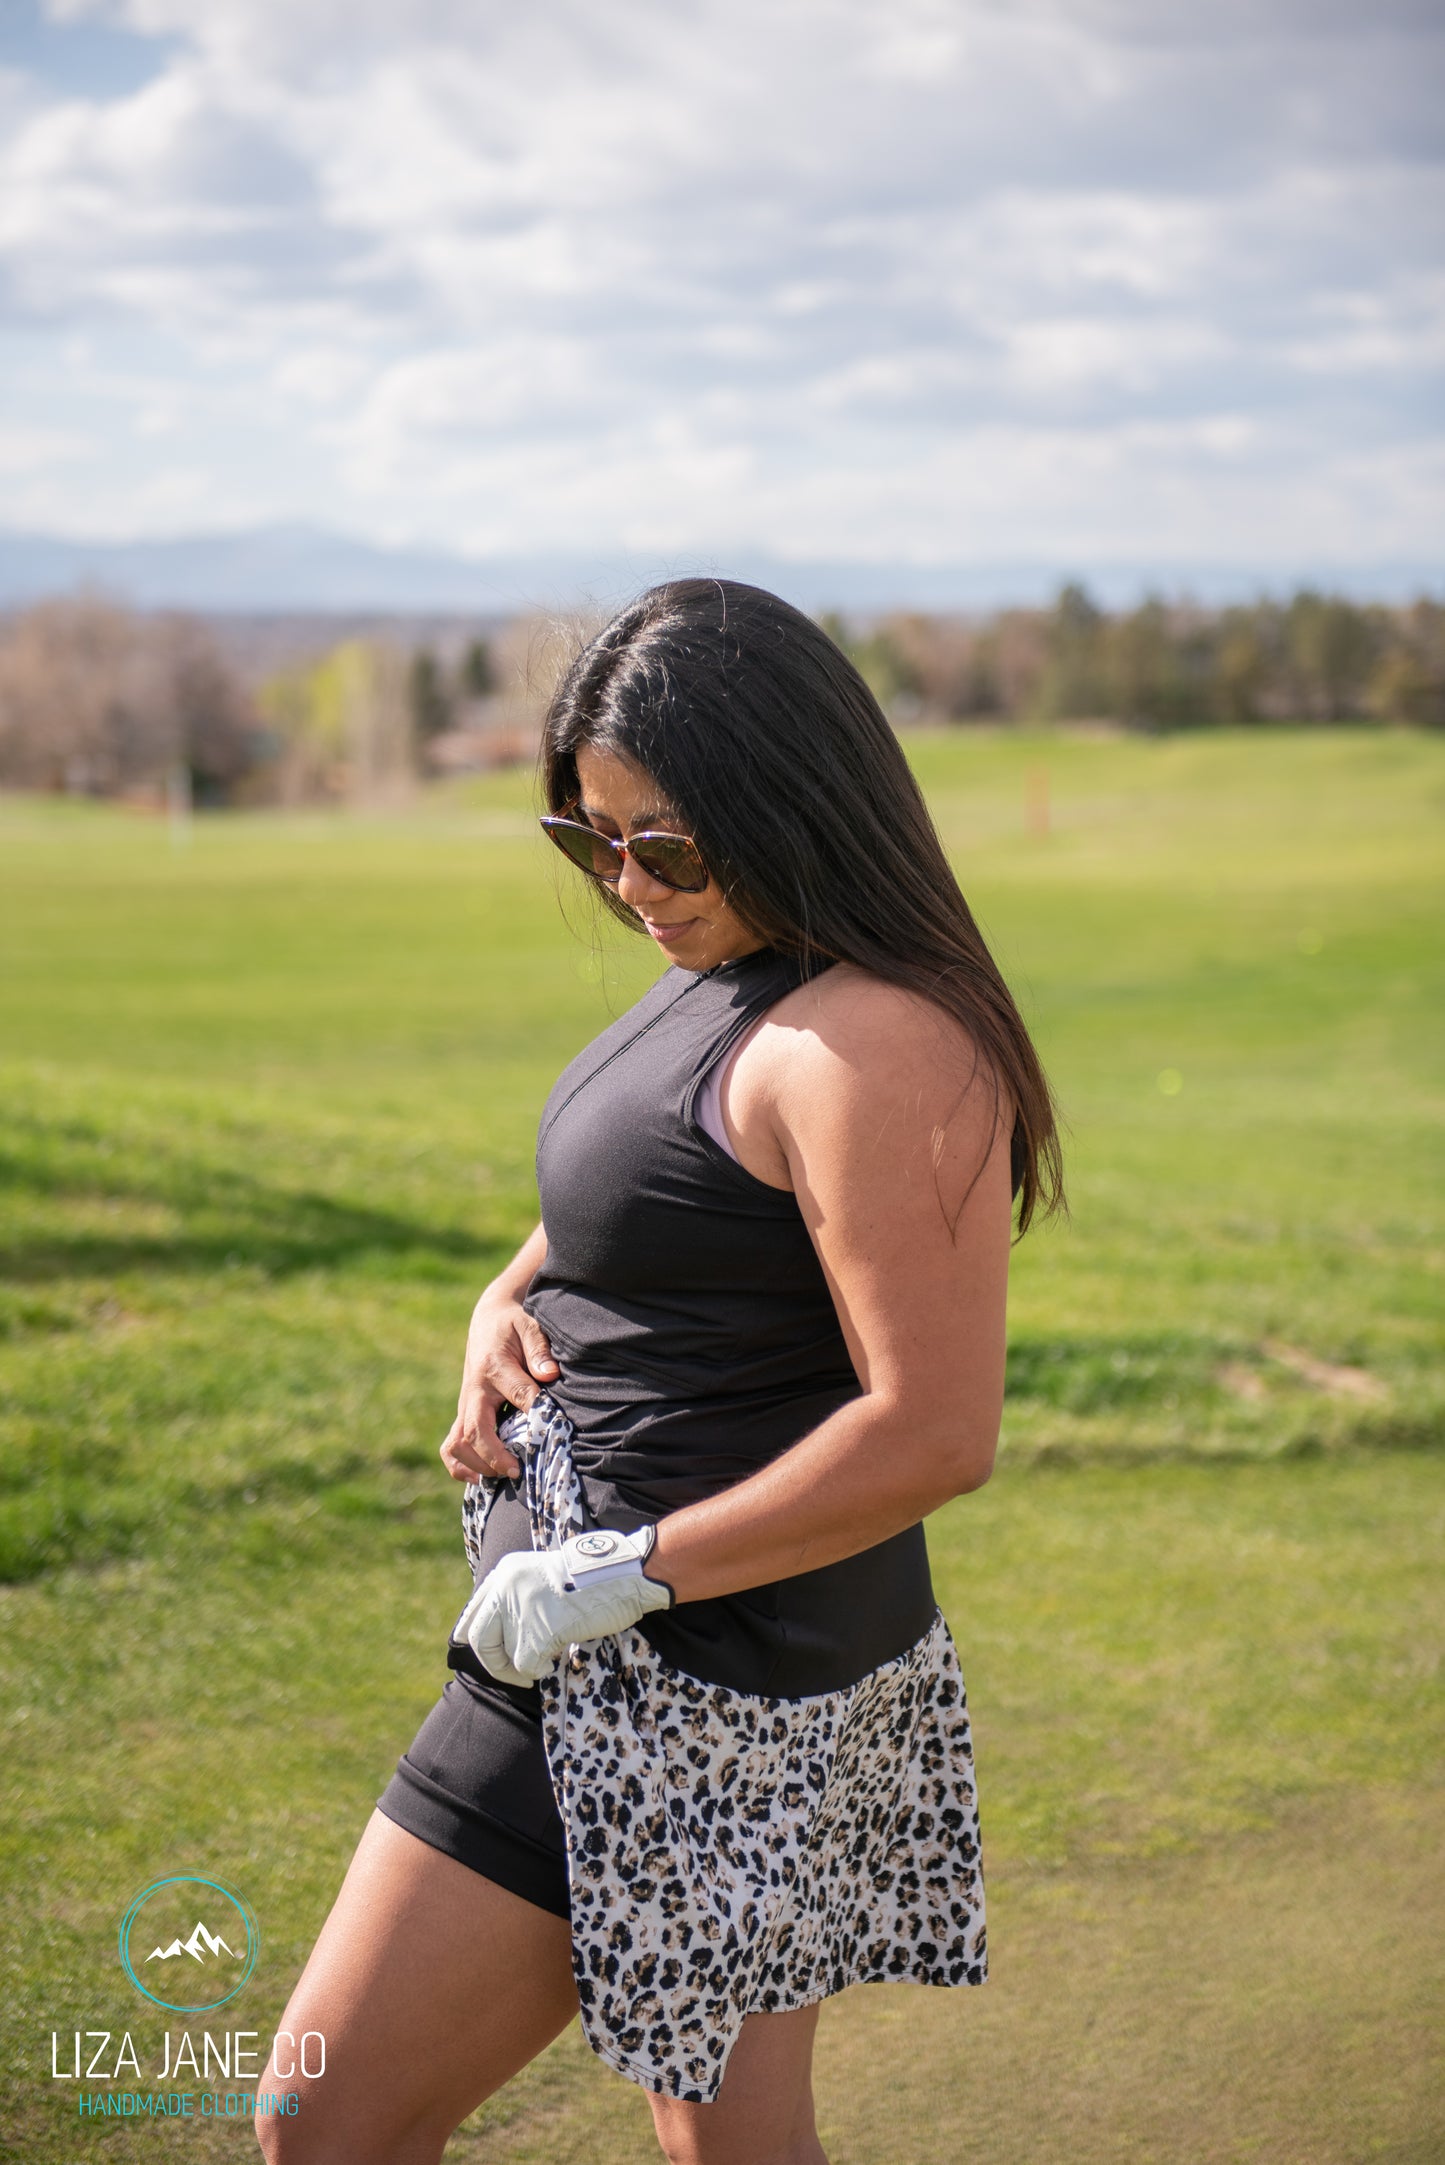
<point>731,1854</point>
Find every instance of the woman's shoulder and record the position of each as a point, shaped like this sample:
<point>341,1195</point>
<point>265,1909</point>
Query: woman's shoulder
<point>847,1012</point>
<point>848,1043</point>
<point>847,1062</point>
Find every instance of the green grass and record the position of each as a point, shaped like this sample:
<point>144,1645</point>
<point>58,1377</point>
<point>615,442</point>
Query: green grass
<point>268,1111</point>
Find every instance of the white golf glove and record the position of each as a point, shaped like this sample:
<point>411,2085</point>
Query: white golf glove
<point>532,1606</point>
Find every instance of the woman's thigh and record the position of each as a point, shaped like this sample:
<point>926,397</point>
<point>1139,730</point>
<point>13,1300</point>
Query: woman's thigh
<point>431,1986</point>
<point>764,2111</point>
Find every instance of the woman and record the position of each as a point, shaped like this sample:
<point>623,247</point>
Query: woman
<point>757,1337</point>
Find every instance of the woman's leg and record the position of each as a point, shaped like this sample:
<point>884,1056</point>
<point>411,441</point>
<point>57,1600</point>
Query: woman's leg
<point>431,1986</point>
<point>764,2111</point>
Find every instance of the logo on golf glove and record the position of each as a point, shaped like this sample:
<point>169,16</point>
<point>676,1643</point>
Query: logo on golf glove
<point>598,1545</point>
<point>532,1606</point>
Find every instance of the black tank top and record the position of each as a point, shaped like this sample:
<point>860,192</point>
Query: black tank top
<point>696,1335</point>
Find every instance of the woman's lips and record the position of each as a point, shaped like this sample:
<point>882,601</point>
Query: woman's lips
<point>668,935</point>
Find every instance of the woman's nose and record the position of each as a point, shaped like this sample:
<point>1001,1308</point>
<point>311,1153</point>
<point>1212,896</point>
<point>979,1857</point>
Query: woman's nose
<point>636,887</point>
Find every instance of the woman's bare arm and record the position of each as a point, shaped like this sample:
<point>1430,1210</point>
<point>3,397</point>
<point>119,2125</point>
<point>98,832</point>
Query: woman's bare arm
<point>866,1102</point>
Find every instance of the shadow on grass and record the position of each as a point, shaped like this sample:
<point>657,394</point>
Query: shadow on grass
<point>227,1216</point>
<point>1375,1433</point>
<point>282,1510</point>
<point>1181,1397</point>
<point>1108,1374</point>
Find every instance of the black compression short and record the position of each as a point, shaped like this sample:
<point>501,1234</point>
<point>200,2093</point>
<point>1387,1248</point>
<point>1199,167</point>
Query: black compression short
<point>474,1784</point>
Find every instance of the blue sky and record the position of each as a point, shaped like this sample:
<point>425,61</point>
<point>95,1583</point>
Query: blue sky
<point>936,281</point>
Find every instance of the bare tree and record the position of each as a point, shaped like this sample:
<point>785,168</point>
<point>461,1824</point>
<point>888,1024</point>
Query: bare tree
<point>74,706</point>
<point>96,699</point>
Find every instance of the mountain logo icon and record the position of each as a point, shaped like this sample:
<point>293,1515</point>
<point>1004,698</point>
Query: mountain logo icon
<point>189,1943</point>
<point>200,1937</point>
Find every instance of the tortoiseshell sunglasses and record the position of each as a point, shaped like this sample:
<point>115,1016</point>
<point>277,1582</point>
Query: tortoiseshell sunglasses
<point>670,859</point>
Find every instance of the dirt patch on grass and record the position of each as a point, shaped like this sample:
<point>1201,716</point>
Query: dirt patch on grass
<point>1335,1378</point>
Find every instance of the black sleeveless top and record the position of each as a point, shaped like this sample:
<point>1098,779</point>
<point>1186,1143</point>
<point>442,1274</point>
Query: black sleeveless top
<point>696,1335</point>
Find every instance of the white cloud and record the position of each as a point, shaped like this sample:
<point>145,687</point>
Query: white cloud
<point>945,278</point>
<point>28,451</point>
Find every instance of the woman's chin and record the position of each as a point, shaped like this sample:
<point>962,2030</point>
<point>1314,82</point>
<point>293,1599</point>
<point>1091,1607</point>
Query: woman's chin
<point>690,955</point>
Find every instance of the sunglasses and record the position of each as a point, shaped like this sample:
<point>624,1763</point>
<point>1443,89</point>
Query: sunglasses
<point>670,859</point>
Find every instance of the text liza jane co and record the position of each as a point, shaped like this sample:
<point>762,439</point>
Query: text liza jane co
<point>97,2056</point>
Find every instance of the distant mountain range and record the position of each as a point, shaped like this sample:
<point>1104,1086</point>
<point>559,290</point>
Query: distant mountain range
<point>304,568</point>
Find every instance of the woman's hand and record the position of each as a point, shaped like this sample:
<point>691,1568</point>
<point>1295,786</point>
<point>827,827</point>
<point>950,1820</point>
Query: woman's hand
<point>531,1607</point>
<point>508,1361</point>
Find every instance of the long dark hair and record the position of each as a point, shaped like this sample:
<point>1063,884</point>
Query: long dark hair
<point>767,742</point>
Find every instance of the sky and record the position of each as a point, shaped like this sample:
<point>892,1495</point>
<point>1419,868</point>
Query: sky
<point>932,281</point>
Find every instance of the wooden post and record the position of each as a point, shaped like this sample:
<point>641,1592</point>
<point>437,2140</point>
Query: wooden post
<point>1036,803</point>
<point>178,803</point>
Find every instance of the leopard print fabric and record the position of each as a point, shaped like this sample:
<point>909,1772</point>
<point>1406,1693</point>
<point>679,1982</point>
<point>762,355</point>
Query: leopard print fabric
<point>731,1854</point>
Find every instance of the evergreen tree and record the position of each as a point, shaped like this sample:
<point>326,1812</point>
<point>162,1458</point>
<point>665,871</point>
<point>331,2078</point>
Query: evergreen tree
<point>477,677</point>
<point>431,709</point>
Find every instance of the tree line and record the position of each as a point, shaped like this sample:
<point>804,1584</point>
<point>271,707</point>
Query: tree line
<point>100,700</point>
<point>1163,665</point>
